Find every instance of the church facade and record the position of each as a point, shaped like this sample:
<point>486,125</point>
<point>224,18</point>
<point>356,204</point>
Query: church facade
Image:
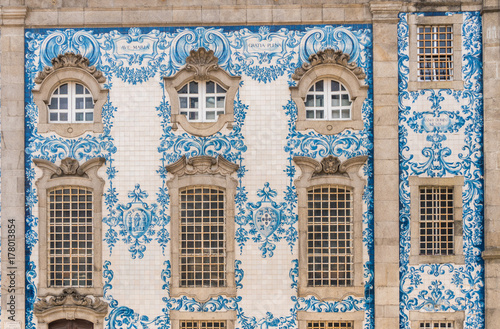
<point>240,165</point>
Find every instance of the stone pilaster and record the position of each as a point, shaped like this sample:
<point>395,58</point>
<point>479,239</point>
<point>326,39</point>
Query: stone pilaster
<point>12,164</point>
<point>491,255</point>
<point>386,183</point>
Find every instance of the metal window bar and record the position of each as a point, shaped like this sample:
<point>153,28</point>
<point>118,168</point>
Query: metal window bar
<point>436,325</point>
<point>70,251</point>
<point>329,237</point>
<point>436,220</point>
<point>329,325</point>
<point>202,324</point>
<point>202,248</point>
<point>435,53</point>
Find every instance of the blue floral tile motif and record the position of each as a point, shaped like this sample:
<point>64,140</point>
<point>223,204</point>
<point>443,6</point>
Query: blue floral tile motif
<point>266,219</point>
<point>136,222</point>
<point>449,113</point>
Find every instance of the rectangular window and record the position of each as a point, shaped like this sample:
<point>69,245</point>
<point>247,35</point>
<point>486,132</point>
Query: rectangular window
<point>329,237</point>
<point>70,237</point>
<point>435,53</point>
<point>436,220</point>
<point>201,324</point>
<point>436,325</point>
<point>202,249</point>
<point>330,325</point>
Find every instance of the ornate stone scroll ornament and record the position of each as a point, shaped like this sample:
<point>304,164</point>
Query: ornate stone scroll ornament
<point>330,64</point>
<point>330,165</point>
<point>201,62</point>
<point>70,297</point>
<point>70,60</point>
<point>329,56</point>
<point>202,165</point>
<point>70,305</point>
<point>69,167</point>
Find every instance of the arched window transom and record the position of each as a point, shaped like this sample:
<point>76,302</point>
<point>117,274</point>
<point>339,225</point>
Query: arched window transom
<point>71,102</point>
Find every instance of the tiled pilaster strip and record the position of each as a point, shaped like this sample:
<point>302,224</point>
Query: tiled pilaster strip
<point>386,183</point>
<point>12,164</point>
<point>491,69</point>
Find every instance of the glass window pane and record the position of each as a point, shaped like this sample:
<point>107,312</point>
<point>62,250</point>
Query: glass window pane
<point>183,102</point>
<point>210,87</point>
<point>210,115</point>
<point>210,102</point>
<point>89,103</point>
<point>63,103</point>
<point>53,117</point>
<point>79,116</point>
<point>345,100</point>
<point>79,103</point>
<point>310,114</point>
<point>335,86</point>
<point>89,116</point>
<point>183,90</point>
<point>319,114</point>
<point>309,100</point>
<point>319,86</point>
<point>335,114</point>
<point>63,117</point>
<point>346,114</point>
<point>319,101</point>
<point>193,87</point>
<point>193,102</point>
<point>221,101</point>
<point>53,103</point>
<point>79,89</point>
<point>63,89</point>
<point>220,90</point>
<point>335,100</point>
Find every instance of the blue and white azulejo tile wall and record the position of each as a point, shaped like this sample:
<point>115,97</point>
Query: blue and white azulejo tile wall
<point>452,148</point>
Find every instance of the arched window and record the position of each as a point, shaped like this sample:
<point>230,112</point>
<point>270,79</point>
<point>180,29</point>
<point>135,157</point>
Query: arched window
<point>71,102</point>
<point>329,94</point>
<point>202,101</point>
<point>328,99</point>
<point>202,95</point>
<point>70,96</point>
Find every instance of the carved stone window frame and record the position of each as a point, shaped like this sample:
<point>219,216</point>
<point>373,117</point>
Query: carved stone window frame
<point>457,317</point>
<point>202,171</point>
<point>415,183</point>
<point>228,316</point>
<point>70,305</point>
<point>357,317</point>
<point>331,172</point>
<point>65,68</point>
<point>414,21</point>
<point>70,173</point>
<point>201,66</point>
<point>330,64</point>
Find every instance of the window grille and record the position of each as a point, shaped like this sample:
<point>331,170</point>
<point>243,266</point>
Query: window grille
<point>202,324</point>
<point>329,325</point>
<point>435,53</point>
<point>202,101</point>
<point>202,249</point>
<point>70,237</point>
<point>71,102</point>
<point>329,234</point>
<point>328,100</point>
<point>436,325</point>
<point>436,220</point>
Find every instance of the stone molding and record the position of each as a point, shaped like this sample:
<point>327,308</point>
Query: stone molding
<point>70,297</point>
<point>202,65</point>
<point>457,317</point>
<point>348,175</point>
<point>329,56</point>
<point>14,16</point>
<point>386,11</point>
<point>69,67</point>
<point>228,316</point>
<point>491,254</point>
<point>202,164</point>
<point>70,59</point>
<point>69,173</point>
<point>357,317</point>
<point>210,172</point>
<point>330,64</point>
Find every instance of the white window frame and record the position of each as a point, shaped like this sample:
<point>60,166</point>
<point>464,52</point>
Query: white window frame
<point>72,111</point>
<point>202,96</point>
<point>327,107</point>
<point>356,317</point>
<point>417,317</point>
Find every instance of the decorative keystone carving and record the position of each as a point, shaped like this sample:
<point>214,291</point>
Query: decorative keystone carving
<point>201,62</point>
<point>71,298</point>
<point>202,165</point>
<point>329,56</point>
<point>70,60</point>
<point>69,166</point>
<point>330,165</point>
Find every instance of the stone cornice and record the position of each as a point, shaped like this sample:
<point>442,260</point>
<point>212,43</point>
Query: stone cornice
<point>201,62</point>
<point>491,254</point>
<point>13,16</point>
<point>69,166</point>
<point>202,165</point>
<point>70,297</point>
<point>71,60</point>
<point>386,11</point>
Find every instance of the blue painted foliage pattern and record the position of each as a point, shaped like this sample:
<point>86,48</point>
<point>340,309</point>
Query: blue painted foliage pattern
<point>447,287</point>
<point>137,55</point>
